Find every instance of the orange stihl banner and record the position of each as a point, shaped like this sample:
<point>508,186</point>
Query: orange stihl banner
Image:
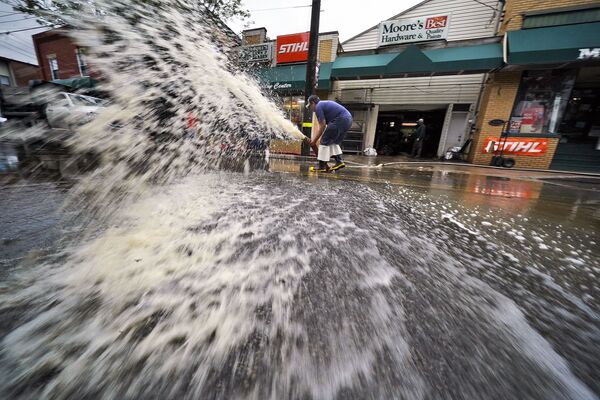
<point>292,48</point>
<point>517,146</point>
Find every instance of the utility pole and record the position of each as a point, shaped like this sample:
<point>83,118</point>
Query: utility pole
<point>311,66</point>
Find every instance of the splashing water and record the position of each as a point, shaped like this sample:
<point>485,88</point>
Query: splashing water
<point>164,63</point>
<point>209,284</point>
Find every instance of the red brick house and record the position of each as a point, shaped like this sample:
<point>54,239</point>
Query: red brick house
<point>17,73</point>
<point>58,56</point>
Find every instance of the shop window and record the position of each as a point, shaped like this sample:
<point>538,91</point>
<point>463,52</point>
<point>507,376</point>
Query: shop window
<point>53,63</point>
<point>81,62</point>
<point>292,106</point>
<point>4,80</point>
<point>541,101</point>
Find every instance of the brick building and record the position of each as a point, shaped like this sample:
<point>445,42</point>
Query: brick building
<point>58,56</point>
<point>17,73</point>
<point>548,91</point>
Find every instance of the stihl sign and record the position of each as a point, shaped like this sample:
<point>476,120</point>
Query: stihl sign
<point>516,146</point>
<point>292,48</point>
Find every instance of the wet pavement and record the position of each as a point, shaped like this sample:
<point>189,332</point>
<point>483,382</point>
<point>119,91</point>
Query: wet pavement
<point>570,199</point>
<point>408,282</point>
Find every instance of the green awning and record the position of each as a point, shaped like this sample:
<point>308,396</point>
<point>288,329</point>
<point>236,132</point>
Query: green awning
<point>356,66</point>
<point>413,60</point>
<point>293,77</point>
<point>555,44</point>
<point>76,83</point>
<point>468,58</point>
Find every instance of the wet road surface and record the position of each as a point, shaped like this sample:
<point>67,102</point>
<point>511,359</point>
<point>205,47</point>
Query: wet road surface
<point>415,283</point>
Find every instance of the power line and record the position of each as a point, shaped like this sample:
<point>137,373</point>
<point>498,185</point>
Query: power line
<point>27,29</point>
<point>16,49</point>
<point>15,46</point>
<point>16,20</point>
<point>280,8</point>
<point>486,5</point>
<point>20,48</point>
<point>7,14</point>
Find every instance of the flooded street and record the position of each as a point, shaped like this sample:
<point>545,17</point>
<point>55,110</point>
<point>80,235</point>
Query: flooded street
<point>163,274</point>
<point>287,285</point>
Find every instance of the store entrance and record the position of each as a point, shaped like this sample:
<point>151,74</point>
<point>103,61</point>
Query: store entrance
<point>579,145</point>
<point>395,131</point>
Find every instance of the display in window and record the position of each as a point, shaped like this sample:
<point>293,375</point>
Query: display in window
<point>514,126</point>
<point>532,120</point>
<point>541,101</point>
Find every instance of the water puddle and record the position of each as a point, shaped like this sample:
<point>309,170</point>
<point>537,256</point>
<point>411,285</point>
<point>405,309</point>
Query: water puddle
<point>189,282</point>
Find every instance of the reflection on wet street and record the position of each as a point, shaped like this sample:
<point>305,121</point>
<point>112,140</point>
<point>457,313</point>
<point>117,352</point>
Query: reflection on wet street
<point>416,283</point>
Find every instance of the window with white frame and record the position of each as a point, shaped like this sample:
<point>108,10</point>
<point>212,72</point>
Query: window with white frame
<point>4,80</point>
<point>81,61</point>
<point>53,63</point>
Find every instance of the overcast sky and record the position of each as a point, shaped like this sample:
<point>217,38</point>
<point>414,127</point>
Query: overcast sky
<point>18,45</point>
<point>348,17</point>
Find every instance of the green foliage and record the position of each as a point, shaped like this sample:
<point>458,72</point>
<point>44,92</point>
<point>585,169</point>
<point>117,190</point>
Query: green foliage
<point>226,10</point>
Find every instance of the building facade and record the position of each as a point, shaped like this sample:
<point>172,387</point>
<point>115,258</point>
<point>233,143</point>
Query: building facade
<point>16,73</point>
<point>430,61</point>
<point>548,90</point>
<point>280,66</point>
<point>58,57</point>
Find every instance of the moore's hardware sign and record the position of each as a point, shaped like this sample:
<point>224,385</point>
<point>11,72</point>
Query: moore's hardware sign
<point>410,30</point>
<point>257,52</point>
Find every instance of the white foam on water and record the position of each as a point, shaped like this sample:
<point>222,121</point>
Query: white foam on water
<point>528,341</point>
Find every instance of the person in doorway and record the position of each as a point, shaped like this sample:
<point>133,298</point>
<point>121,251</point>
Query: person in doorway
<point>334,121</point>
<point>420,134</point>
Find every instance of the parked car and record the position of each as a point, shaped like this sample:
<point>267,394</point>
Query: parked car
<point>68,110</point>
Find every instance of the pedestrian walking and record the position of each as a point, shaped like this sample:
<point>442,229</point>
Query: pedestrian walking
<point>420,135</point>
<point>334,121</point>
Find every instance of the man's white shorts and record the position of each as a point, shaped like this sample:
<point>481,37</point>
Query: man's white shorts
<point>326,152</point>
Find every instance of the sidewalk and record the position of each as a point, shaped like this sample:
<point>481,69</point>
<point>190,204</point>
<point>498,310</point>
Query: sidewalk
<point>404,162</point>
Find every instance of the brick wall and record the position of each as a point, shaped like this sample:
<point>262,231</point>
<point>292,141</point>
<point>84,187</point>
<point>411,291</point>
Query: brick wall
<point>252,39</point>
<point>497,103</point>
<point>23,73</point>
<point>325,53</point>
<point>514,9</point>
<point>54,43</point>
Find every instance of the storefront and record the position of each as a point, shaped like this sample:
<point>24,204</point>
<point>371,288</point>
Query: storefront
<point>283,76</point>
<point>548,92</point>
<point>282,70</point>
<point>428,62</point>
<point>286,85</point>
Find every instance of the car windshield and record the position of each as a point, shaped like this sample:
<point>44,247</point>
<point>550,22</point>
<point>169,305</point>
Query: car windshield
<point>80,100</point>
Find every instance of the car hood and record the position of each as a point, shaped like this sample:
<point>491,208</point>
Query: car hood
<point>87,109</point>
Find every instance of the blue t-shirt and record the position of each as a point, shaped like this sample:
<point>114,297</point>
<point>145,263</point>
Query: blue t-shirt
<point>328,111</point>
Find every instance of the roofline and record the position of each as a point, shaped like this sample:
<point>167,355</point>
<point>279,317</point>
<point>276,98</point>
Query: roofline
<point>329,33</point>
<point>61,30</point>
<point>254,29</point>
<point>395,16</point>
<point>20,62</point>
<point>562,9</point>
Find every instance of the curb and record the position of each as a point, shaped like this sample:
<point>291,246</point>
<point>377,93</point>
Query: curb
<point>574,173</point>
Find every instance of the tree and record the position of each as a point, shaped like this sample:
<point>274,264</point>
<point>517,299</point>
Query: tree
<point>226,10</point>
